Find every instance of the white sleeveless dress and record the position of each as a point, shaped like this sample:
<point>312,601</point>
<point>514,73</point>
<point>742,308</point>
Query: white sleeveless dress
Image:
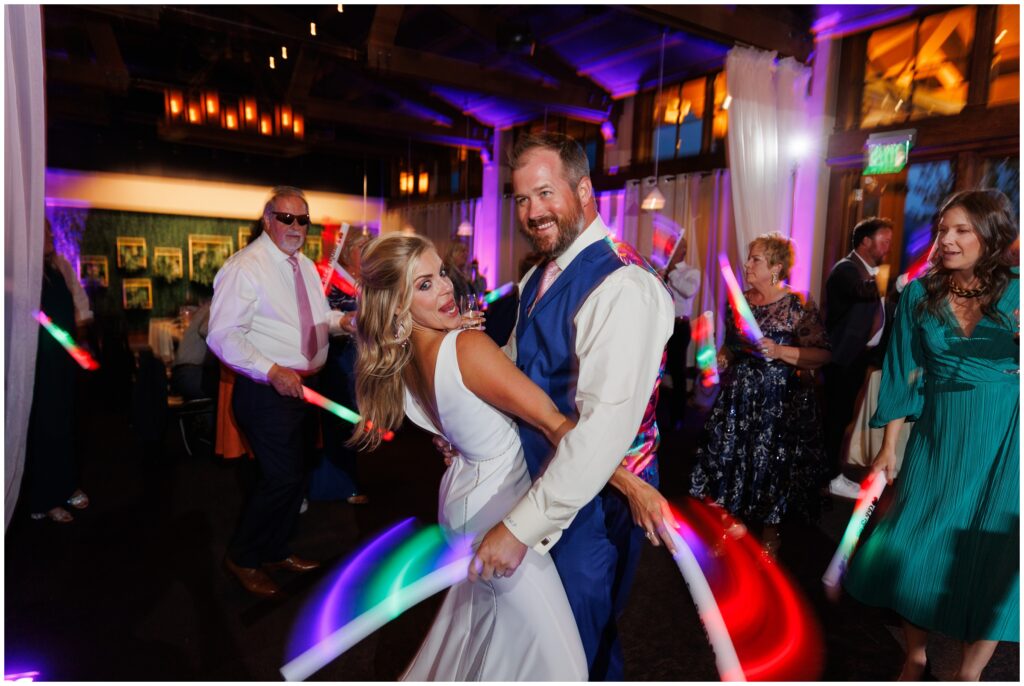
<point>515,629</point>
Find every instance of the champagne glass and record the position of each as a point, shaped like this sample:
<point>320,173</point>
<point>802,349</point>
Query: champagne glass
<point>469,306</point>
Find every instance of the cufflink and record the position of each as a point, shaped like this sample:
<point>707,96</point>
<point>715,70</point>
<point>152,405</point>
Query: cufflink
<point>545,541</point>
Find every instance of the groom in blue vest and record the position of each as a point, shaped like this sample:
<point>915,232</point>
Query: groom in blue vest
<point>592,327</point>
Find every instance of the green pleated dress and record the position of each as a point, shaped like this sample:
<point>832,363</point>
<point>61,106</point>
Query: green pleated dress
<point>946,554</point>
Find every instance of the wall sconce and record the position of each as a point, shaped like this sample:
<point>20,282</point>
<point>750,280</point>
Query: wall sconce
<point>195,112</point>
<point>174,103</point>
<point>284,115</point>
<point>298,127</point>
<point>266,125</point>
<point>212,106</point>
<point>230,119</point>
<point>424,182</point>
<point>403,182</point>
<point>249,111</point>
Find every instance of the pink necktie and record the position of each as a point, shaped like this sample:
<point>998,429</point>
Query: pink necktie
<point>546,279</point>
<point>309,346</point>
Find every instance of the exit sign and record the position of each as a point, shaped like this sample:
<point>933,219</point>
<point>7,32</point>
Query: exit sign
<point>887,153</point>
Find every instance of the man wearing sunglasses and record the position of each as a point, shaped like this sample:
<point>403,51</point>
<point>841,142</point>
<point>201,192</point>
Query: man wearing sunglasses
<point>269,321</point>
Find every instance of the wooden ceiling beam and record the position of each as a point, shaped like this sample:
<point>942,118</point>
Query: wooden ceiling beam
<point>731,24</point>
<point>485,25</point>
<point>403,62</point>
<point>392,124</point>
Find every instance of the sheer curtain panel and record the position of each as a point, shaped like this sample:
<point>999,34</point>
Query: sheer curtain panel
<point>769,104</point>
<point>24,177</point>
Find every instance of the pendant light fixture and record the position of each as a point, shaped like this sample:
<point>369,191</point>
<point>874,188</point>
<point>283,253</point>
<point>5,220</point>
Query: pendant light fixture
<point>466,227</point>
<point>655,200</point>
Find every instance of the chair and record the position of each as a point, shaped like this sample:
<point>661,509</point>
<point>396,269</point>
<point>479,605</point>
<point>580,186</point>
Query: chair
<point>195,420</point>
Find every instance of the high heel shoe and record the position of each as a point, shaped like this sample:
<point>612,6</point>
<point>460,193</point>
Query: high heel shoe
<point>79,500</point>
<point>57,514</point>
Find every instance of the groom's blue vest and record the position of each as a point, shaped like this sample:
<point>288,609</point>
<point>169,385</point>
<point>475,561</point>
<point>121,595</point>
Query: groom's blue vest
<point>546,347</point>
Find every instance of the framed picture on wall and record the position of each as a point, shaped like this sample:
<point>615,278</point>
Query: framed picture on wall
<point>243,236</point>
<point>168,263</point>
<point>206,254</point>
<point>137,294</point>
<point>313,248</point>
<point>131,253</point>
<point>94,270</point>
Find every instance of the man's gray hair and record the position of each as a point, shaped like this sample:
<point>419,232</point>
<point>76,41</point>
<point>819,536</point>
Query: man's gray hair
<point>282,192</point>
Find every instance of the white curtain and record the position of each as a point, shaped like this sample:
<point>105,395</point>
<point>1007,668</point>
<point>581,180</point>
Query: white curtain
<point>24,178</point>
<point>768,111</point>
<point>437,221</point>
<point>700,207</point>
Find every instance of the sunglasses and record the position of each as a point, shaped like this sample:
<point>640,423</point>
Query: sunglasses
<point>287,219</point>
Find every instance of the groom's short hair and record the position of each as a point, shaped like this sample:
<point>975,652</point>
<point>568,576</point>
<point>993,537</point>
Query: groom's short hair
<point>574,159</point>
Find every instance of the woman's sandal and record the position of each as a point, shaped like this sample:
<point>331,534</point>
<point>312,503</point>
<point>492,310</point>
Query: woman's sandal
<point>79,500</point>
<point>57,514</point>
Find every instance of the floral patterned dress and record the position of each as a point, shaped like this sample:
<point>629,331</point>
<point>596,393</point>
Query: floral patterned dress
<point>762,454</point>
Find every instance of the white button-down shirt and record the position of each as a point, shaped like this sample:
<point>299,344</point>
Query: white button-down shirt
<point>254,317</point>
<point>873,271</point>
<point>621,331</point>
<point>684,282</point>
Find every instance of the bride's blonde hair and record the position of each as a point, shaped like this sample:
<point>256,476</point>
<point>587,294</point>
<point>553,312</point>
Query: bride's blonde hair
<point>384,324</point>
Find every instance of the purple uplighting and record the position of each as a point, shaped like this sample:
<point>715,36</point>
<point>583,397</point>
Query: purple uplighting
<point>21,676</point>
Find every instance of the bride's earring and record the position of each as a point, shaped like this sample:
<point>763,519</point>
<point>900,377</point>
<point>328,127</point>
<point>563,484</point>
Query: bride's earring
<point>400,334</point>
<point>775,278</point>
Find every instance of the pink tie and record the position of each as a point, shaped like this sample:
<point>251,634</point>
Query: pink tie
<point>546,279</point>
<point>309,346</point>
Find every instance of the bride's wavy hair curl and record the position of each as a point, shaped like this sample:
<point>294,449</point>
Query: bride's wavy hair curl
<point>991,216</point>
<point>384,324</point>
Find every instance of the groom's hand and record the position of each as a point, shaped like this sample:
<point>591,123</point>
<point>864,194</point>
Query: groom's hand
<point>446,449</point>
<point>499,555</point>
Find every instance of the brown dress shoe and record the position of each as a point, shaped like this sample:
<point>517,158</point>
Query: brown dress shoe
<point>293,563</point>
<point>253,580</point>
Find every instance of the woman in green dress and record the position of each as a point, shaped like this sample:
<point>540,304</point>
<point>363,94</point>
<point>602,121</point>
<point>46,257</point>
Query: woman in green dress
<point>946,555</point>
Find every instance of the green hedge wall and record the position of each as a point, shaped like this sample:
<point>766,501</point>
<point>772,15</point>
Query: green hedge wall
<point>80,231</point>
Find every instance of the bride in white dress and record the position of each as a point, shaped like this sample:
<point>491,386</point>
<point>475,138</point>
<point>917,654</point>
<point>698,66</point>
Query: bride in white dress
<point>415,360</point>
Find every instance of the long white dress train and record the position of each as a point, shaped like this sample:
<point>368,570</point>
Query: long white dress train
<point>515,629</point>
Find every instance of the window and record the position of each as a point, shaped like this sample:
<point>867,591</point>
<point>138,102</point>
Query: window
<point>720,120</point>
<point>1004,173</point>
<point>918,69</point>
<point>1004,75</point>
<point>678,120</point>
<point>928,185</point>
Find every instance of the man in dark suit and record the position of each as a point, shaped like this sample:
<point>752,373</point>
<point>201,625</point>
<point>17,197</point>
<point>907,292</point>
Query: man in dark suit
<point>855,319</point>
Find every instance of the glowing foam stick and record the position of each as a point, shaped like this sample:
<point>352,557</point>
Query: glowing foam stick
<point>340,411</point>
<point>78,353</point>
<point>870,492</point>
<point>499,292</point>
<point>707,357</point>
<point>726,660</point>
<point>21,676</point>
<point>333,259</point>
<point>399,569</point>
<point>771,627</point>
<point>923,263</point>
<point>745,321</point>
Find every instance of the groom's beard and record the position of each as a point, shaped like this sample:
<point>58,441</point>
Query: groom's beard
<point>568,227</point>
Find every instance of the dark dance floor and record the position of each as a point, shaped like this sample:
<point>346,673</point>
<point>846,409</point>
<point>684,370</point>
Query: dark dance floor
<point>134,588</point>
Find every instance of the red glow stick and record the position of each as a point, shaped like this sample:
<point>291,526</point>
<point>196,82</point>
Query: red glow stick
<point>77,352</point>
<point>340,411</point>
<point>744,318</point>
